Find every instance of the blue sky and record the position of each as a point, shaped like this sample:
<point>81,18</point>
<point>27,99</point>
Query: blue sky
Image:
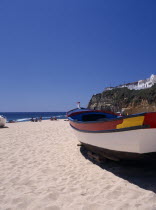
<point>54,53</point>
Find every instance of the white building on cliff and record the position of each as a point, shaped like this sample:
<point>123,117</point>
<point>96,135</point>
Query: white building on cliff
<point>141,84</point>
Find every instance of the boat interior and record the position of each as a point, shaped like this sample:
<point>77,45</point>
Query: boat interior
<point>93,116</point>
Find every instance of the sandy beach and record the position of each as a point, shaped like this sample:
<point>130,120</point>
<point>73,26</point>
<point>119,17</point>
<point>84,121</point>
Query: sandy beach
<point>41,167</point>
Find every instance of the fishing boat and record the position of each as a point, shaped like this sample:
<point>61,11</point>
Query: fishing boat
<point>114,136</point>
<point>2,121</point>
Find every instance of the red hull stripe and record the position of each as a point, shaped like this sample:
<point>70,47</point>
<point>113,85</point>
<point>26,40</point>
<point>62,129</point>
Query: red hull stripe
<point>96,126</point>
<point>114,130</point>
<point>150,119</point>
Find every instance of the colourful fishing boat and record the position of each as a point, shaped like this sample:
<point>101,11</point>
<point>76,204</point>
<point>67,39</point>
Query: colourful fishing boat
<point>114,136</point>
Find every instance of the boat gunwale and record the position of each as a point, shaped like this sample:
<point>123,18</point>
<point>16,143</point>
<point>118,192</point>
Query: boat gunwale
<point>84,110</point>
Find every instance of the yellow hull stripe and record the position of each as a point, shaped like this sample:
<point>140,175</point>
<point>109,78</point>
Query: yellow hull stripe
<point>130,122</point>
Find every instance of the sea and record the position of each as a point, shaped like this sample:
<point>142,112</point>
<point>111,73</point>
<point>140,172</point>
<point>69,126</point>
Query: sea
<point>27,116</point>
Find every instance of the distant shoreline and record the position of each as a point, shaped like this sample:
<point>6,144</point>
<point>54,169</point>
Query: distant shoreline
<point>27,116</point>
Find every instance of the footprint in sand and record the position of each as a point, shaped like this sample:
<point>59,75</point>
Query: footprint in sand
<point>52,196</point>
<point>93,206</point>
<point>52,208</point>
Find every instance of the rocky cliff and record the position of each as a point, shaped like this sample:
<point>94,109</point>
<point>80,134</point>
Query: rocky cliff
<point>123,99</point>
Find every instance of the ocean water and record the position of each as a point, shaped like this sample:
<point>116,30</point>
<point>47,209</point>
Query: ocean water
<point>26,116</point>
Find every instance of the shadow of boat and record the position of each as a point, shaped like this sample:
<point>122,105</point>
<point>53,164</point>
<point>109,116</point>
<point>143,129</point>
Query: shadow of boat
<point>142,174</point>
<point>4,127</point>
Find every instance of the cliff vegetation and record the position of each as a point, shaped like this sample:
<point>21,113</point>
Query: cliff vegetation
<point>125,100</point>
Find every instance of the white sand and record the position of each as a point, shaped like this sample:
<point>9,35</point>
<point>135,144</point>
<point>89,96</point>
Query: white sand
<point>41,167</point>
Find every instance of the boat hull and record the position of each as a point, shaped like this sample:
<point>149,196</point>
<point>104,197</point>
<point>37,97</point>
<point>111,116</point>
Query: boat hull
<point>135,141</point>
<point>117,155</point>
<point>134,135</point>
<point>2,122</point>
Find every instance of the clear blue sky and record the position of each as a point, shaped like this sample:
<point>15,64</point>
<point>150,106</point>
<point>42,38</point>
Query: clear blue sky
<point>54,53</point>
